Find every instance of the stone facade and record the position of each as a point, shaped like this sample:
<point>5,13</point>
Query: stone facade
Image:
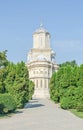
<point>41,62</point>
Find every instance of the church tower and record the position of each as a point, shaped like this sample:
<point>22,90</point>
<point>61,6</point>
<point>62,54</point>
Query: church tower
<point>41,62</point>
<point>41,38</point>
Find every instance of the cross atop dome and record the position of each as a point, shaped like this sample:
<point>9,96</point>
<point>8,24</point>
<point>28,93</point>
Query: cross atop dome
<point>41,25</point>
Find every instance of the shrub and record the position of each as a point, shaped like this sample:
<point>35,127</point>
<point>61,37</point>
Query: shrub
<point>1,108</point>
<point>7,103</point>
<point>79,107</point>
<point>67,103</point>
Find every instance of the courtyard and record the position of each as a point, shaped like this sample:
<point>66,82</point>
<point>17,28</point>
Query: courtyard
<point>41,114</point>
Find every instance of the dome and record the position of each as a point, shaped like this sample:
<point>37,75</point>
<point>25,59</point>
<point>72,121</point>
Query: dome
<point>41,29</point>
<point>41,58</point>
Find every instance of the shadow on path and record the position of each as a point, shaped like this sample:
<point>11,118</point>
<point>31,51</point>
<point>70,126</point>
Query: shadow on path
<point>18,112</point>
<point>33,104</point>
<point>30,105</point>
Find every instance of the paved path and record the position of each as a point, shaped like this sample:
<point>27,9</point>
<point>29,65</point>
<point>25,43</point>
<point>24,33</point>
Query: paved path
<point>42,115</point>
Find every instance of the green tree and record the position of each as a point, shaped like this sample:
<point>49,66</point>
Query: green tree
<point>31,89</point>
<point>14,81</point>
<point>3,64</point>
<point>71,63</point>
<point>17,83</point>
<point>3,59</point>
<point>66,86</point>
<point>7,103</point>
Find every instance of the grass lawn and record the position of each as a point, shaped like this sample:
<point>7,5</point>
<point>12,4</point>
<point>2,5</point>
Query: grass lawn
<point>75,112</point>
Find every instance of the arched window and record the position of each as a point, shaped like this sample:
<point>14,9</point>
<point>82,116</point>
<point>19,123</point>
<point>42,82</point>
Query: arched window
<point>36,83</point>
<point>41,83</point>
<point>45,83</point>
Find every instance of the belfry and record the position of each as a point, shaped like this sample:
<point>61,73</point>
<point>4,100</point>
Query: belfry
<point>41,62</point>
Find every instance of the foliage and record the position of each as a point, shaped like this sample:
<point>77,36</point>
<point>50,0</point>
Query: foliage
<point>31,89</point>
<point>69,100</point>
<point>17,83</point>
<point>72,63</point>
<point>3,63</point>
<point>79,107</point>
<point>3,59</point>
<point>66,103</point>
<point>7,103</point>
<point>66,86</point>
<point>1,108</point>
<point>14,80</point>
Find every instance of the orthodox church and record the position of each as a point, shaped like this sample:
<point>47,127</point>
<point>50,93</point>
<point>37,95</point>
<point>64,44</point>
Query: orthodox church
<point>41,62</point>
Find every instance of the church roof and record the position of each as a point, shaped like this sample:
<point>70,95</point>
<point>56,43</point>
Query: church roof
<point>41,29</point>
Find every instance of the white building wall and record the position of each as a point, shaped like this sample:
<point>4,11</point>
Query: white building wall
<point>40,64</point>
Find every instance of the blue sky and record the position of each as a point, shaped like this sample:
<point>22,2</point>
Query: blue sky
<point>62,18</point>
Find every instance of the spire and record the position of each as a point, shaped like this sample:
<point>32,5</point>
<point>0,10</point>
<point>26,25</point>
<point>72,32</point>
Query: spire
<point>41,23</point>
